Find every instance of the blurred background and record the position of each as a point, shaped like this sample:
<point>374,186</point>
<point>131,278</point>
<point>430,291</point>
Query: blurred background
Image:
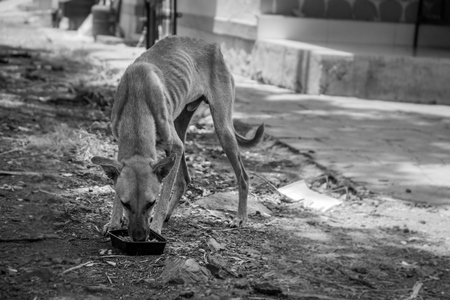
<point>310,46</point>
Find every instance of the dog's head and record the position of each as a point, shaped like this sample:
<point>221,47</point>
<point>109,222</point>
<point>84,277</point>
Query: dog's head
<point>137,184</point>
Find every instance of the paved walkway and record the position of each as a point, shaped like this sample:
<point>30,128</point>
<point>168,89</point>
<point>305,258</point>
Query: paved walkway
<point>401,150</point>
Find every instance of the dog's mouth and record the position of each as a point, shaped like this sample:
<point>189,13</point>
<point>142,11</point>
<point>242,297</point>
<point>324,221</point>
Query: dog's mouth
<point>139,234</point>
<point>140,239</point>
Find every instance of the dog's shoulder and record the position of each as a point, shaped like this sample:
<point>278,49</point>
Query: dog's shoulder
<point>183,42</point>
<point>173,46</point>
<point>142,70</point>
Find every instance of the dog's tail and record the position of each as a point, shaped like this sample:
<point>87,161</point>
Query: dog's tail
<point>248,143</point>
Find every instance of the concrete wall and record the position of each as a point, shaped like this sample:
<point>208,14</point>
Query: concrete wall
<point>330,31</point>
<point>369,10</point>
<point>230,23</point>
<point>220,17</point>
<point>316,70</point>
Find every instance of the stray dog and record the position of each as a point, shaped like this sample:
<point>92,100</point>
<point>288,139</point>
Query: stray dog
<point>155,100</point>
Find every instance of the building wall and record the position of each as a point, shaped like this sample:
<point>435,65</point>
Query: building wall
<point>220,17</point>
<point>369,10</point>
<point>230,23</point>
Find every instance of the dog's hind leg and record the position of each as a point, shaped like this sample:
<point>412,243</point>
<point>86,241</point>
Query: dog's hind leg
<point>229,144</point>
<point>221,105</point>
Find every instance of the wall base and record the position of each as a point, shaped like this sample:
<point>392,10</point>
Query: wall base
<point>313,69</point>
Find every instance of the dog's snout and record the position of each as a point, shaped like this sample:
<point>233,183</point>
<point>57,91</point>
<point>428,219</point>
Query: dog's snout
<point>138,235</point>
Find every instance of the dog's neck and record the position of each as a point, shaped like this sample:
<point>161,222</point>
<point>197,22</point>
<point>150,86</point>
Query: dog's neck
<point>141,113</point>
<point>137,137</point>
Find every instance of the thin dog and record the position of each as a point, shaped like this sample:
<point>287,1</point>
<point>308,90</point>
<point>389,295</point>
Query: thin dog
<point>154,103</point>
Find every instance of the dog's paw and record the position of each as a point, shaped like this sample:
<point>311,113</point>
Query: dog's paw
<point>156,228</point>
<point>124,222</point>
<point>238,222</point>
<point>111,227</point>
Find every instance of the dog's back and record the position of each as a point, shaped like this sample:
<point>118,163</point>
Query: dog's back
<point>189,67</point>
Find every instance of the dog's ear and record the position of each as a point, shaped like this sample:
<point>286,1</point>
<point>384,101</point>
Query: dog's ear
<point>110,166</point>
<point>162,168</point>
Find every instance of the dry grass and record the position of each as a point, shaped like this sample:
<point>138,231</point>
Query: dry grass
<point>66,141</point>
<point>86,71</point>
<point>71,54</point>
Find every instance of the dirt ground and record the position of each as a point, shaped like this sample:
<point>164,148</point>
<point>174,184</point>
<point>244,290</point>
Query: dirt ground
<point>54,108</point>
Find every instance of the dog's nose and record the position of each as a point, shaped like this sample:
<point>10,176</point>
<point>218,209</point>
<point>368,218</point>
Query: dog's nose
<point>138,235</point>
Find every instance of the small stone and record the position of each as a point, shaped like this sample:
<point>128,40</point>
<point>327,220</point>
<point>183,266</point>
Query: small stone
<point>241,284</point>
<point>100,289</point>
<point>211,297</point>
<point>57,260</point>
<point>217,260</point>
<point>267,289</point>
<point>154,284</point>
<point>176,281</point>
<point>214,245</point>
<point>186,294</point>
<point>215,271</point>
<point>226,202</point>
<point>360,270</point>
<point>181,271</point>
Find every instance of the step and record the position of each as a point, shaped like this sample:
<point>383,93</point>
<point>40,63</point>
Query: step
<point>354,70</point>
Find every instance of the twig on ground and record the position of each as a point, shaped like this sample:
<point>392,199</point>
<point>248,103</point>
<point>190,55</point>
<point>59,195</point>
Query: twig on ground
<point>30,239</point>
<point>283,197</point>
<point>10,151</point>
<point>76,267</point>
<point>109,278</point>
<point>99,289</point>
<point>299,296</point>
<point>14,173</point>
<point>416,290</point>
<point>25,173</point>
<point>111,256</point>
<point>50,193</point>
<point>224,229</point>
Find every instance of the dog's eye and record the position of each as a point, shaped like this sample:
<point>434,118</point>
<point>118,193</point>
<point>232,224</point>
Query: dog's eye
<point>126,205</point>
<point>148,206</point>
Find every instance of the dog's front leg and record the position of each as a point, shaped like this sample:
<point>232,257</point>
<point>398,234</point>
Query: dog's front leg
<point>116,217</point>
<point>160,212</point>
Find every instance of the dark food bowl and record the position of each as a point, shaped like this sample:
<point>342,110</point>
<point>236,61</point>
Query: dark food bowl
<point>138,248</point>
